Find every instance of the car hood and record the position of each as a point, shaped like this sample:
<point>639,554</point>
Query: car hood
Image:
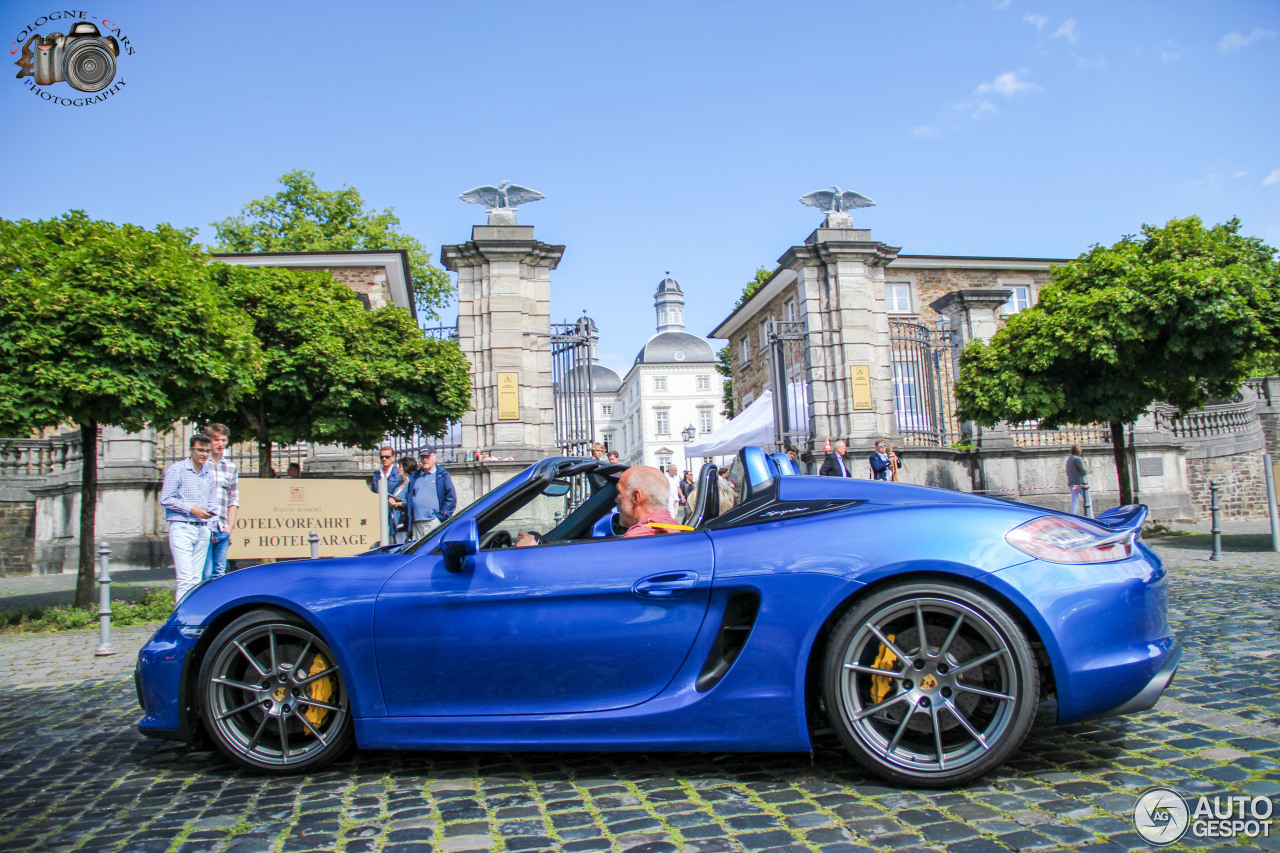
<point>311,585</point>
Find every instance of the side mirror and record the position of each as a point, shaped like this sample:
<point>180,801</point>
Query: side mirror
<point>556,489</point>
<point>460,541</point>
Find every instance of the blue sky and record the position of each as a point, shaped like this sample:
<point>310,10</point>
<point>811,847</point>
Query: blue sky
<point>676,136</point>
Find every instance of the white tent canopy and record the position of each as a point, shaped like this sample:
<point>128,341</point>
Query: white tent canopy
<point>754,425</point>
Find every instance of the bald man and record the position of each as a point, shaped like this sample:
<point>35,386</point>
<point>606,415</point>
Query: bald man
<point>642,503</point>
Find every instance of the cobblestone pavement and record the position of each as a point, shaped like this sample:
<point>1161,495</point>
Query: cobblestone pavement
<point>75,775</point>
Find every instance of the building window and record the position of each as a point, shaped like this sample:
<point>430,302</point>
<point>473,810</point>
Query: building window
<point>897,297</point>
<point>1019,301</point>
<point>608,441</point>
<point>704,420</point>
<point>789,311</point>
<point>606,410</point>
<point>704,383</point>
<point>744,350</point>
<point>659,383</point>
<point>663,422</point>
<point>764,334</point>
<point>663,462</point>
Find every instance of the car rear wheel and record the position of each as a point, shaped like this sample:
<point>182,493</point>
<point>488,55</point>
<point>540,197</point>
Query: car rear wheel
<point>272,696</point>
<point>930,684</point>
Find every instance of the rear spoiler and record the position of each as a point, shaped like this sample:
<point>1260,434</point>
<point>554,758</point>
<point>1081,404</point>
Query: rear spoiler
<point>1123,518</point>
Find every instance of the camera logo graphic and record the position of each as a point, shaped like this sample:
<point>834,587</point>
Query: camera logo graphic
<point>83,58</point>
<point>1161,816</point>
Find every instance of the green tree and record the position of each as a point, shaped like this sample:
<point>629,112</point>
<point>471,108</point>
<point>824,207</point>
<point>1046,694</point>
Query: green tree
<point>724,362</point>
<point>304,218</point>
<point>111,324</point>
<point>336,372</point>
<point>763,274</point>
<point>1181,314</point>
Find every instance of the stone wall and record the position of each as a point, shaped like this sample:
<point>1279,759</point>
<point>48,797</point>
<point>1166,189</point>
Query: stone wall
<point>17,537</point>
<point>752,378</point>
<point>929,285</point>
<point>1242,491</point>
<point>370,282</point>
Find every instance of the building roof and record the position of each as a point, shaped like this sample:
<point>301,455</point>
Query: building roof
<point>669,285</point>
<point>603,379</point>
<point>675,348</point>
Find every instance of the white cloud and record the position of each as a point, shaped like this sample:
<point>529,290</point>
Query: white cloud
<point>1009,84</point>
<point>1233,41</point>
<point>1036,20</point>
<point>1086,64</point>
<point>1272,179</point>
<point>982,101</point>
<point>1067,31</point>
<point>1240,173</point>
<point>1001,4</point>
<point>1169,51</point>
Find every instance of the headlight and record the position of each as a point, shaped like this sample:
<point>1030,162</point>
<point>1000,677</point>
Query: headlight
<point>1060,539</point>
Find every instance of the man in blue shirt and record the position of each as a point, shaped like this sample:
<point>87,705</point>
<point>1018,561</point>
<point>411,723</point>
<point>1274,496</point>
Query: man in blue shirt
<point>430,498</point>
<point>390,472</point>
<point>190,499</point>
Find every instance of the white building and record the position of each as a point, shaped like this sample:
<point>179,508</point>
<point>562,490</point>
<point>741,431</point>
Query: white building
<point>672,390</point>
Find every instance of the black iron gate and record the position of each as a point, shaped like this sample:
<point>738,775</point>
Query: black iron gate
<point>923,384</point>
<point>571,383</point>
<point>788,363</point>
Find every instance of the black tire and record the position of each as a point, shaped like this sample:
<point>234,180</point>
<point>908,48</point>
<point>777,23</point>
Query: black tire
<point>271,696</point>
<point>933,714</point>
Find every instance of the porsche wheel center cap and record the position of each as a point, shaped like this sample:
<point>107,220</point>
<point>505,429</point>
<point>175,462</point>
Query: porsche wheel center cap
<point>278,694</point>
<point>928,683</point>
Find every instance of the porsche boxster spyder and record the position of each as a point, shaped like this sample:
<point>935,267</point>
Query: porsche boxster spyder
<point>924,626</point>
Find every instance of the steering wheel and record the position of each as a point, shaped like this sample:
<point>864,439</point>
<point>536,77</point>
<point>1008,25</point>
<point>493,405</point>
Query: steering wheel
<point>496,538</point>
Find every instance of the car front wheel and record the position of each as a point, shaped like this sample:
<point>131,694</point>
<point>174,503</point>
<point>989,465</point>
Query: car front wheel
<point>930,684</point>
<point>272,696</point>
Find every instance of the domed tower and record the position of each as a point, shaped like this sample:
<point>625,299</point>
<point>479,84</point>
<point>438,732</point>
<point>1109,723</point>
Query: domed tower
<point>668,302</point>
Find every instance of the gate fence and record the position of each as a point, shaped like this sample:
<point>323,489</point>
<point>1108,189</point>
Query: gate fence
<point>923,384</point>
<point>572,386</point>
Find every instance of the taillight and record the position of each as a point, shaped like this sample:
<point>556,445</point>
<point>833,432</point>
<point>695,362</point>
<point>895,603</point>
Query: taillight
<point>1062,539</point>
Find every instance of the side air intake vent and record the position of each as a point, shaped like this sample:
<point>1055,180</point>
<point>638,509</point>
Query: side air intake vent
<point>739,619</point>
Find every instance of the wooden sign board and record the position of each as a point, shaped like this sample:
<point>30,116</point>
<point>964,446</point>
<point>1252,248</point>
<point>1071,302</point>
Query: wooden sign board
<point>277,515</point>
<point>860,375</point>
<point>509,396</point>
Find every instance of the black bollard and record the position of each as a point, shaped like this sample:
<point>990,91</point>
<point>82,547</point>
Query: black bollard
<point>1213,517</point>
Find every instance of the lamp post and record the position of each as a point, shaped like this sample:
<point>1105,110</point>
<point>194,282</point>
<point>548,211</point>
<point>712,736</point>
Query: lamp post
<point>688,433</point>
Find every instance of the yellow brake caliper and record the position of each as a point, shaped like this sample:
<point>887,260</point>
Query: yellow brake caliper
<point>882,684</point>
<point>321,690</point>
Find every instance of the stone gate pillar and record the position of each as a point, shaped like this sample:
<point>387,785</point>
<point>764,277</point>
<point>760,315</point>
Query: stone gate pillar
<point>840,283</point>
<point>504,329</point>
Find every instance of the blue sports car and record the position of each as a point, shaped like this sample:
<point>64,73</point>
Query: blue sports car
<point>923,626</point>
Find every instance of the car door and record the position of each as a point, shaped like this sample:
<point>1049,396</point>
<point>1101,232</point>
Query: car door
<point>582,626</point>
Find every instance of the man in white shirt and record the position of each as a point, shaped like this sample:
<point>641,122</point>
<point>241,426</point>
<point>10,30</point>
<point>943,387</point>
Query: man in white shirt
<point>674,498</point>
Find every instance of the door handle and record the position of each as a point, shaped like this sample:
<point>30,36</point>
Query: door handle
<point>666,585</point>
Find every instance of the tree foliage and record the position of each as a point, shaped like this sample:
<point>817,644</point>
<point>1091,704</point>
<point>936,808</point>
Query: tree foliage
<point>1181,314</point>
<point>724,366</point>
<point>304,218</point>
<point>336,372</point>
<point>762,275</point>
<point>111,324</point>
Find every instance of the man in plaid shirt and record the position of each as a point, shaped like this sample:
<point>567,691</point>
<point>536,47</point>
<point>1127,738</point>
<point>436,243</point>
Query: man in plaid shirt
<point>189,497</point>
<point>227,504</point>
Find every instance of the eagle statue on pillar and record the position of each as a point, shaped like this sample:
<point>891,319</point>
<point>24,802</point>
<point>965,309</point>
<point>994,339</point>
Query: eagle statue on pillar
<point>836,200</point>
<point>505,196</point>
